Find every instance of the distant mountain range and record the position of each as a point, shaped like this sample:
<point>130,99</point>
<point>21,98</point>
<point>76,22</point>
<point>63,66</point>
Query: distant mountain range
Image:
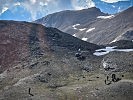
<point>92,25</point>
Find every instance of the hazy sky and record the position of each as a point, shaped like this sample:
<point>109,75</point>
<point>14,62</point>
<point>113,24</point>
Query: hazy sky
<point>29,10</point>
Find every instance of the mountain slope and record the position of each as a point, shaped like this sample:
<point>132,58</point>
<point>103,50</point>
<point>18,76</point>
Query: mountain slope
<point>38,63</point>
<point>92,25</point>
<point>40,58</point>
<point>22,40</point>
<point>64,20</point>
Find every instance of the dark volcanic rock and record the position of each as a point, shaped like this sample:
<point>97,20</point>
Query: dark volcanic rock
<point>20,41</point>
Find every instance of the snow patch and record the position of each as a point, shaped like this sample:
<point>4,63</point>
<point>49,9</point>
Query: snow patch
<point>106,17</point>
<point>74,26</point>
<point>82,29</point>
<point>117,38</point>
<point>84,39</point>
<point>91,29</point>
<point>114,40</point>
<point>124,50</point>
<point>74,35</point>
<point>105,51</point>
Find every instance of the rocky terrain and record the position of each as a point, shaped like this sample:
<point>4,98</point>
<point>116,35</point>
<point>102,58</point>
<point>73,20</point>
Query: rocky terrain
<point>40,63</point>
<point>21,40</point>
<point>34,53</point>
<point>92,25</point>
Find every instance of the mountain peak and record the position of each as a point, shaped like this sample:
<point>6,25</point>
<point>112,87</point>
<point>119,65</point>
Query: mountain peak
<point>91,24</point>
<point>94,8</point>
<point>63,19</point>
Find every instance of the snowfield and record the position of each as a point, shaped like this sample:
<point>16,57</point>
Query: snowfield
<point>106,17</point>
<point>91,29</point>
<point>74,26</point>
<point>84,39</point>
<point>105,51</point>
<point>74,35</point>
<point>82,29</point>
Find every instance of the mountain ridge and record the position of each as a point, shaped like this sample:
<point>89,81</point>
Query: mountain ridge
<point>21,40</point>
<point>59,16</point>
<point>106,28</point>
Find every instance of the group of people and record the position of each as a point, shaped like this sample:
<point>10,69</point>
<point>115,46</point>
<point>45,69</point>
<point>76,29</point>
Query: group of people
<point>108,81</point>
